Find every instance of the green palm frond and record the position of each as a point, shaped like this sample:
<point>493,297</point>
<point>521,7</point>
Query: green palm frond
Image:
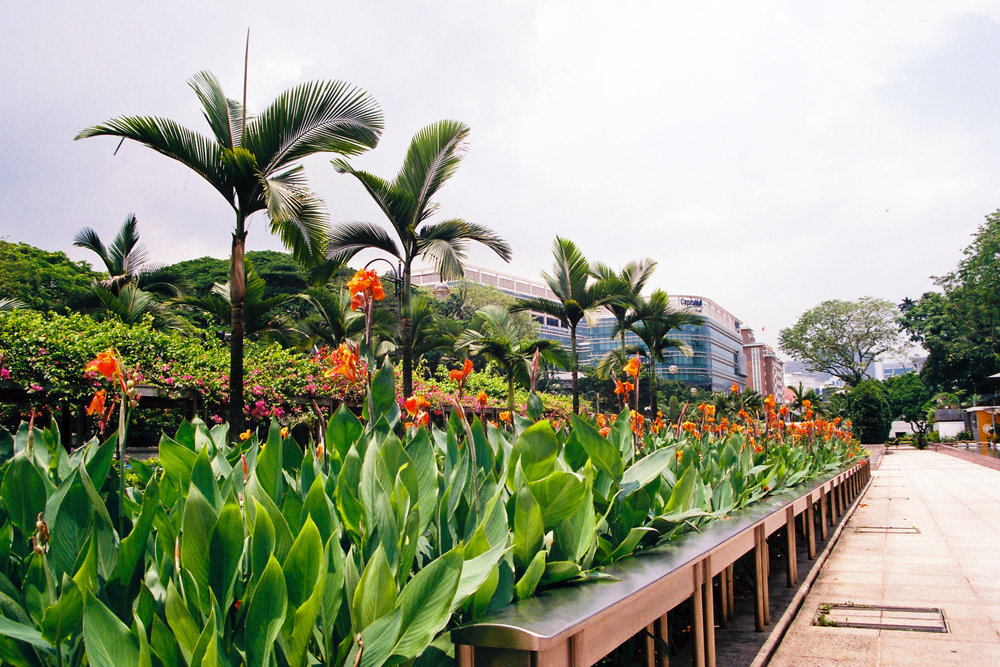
<point>350,238</point>
<point>166,137</point>
<point>433,157</point>
<point>223,115</point>
<point>10,303</point>
<point>296,215</point>
<point>445,244</point>
<point>89,239</point>
<point>319,116</point>
<point>571,271</point>
<point>397,204</point>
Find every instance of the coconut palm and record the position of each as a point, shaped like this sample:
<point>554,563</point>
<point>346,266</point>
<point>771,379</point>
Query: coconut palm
<point>652,321</point>
<point>628,283</point>
<point>253,161</point>
<point>577,295</point>
<point>433,156</point>
<point>494,335</point>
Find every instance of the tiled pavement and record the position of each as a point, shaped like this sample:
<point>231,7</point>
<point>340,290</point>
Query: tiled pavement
<point>951,564</point>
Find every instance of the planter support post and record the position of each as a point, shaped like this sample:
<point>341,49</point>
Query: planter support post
<point>699,617</point>
<point>709,609</point>
<point>792,568</point>
<point>824,501</point>
<point>760,579</point>
<point>730,592</point>
<point>811,527</point>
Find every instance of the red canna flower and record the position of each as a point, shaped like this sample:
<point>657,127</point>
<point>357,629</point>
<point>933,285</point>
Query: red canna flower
<point>96,406</point>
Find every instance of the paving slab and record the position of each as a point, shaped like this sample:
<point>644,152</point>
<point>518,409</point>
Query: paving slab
<point>951,565</point>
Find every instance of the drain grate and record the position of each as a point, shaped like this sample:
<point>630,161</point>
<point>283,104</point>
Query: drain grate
<point>914,619</point>
<point>888,530</point>
<point>887,498</point>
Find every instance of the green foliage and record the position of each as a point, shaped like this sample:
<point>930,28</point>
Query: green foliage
<point>843,338</point>
<point>912,401</point>
<point>959,325</point>
<point>43,280</point>
<point>870,411</point>
<point>265,553</point>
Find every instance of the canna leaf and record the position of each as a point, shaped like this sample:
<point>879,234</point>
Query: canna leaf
<point>265,614</point>
<point>108,641</point>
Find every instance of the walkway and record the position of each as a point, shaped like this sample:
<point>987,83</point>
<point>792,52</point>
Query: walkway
<point>952,564</point>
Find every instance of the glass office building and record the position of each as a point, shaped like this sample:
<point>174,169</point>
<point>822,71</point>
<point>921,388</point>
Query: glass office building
<point>717,360</point>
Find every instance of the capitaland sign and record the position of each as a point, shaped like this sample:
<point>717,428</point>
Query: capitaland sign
<point>692,303</point>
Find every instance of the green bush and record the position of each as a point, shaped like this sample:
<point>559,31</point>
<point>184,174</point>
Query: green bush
<point>870,412</point>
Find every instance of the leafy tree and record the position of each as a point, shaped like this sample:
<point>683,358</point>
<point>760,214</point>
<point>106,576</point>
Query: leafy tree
<point>913,402</point>
<point>652,321</point>
<point>43,280</point>
<point>433,157</point>
<point>496,339</point>
<point>959,325</point>
<point>253,162</point>
<point>577,297</point>
<point>870,411</point>
<point>844,338</point>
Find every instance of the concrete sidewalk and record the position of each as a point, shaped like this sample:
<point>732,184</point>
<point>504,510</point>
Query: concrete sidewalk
<point>951,564</point>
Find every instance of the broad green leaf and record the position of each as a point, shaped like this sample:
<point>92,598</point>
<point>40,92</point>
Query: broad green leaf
<point>69,516</point>
<point>63,619</point>
<point>203,478</point>
<point>109,642</point>
<point>23,494</point>
<point>98,459</point>
<point>265,614</point>
<point>648,468</point>
<point>559,571</point>
<point>197,527</point>
<point>302,566</point>
<point>383,393</point>
<point>225,552</point>
<point>525,587</point>
<point>682,496</point>
<point>24,633</point>
<point>426,603</point>
<point>528,528</point>
<point>177,461</point>
<point>604,455</point>
<point>630,543</point>
<point>376,593</point>
<point>182,625</point>
<point>342,431</point>
<point>559,495</point>
<point>378,639</point>
<point>536,450</point>
<point>268,470</point>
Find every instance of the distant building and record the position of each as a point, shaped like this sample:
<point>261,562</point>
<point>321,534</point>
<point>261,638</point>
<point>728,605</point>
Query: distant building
<point>765,370</point>
<point>717,345</point>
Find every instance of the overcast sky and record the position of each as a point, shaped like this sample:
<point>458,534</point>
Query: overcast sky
<point>769,155</point>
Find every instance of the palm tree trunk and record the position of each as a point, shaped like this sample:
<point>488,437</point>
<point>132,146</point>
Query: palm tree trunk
<point>237,295</point>
<point>510,390</point>
<point>652,389</point>
<point>406,331</point>
<point>575,371</point>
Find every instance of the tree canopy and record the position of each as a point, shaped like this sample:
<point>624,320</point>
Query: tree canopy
<point>844,338</point>
<point>43,280</point>
<point>959,326</point>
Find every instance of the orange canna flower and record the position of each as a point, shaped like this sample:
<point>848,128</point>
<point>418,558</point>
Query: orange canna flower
<point>769,401</point>
<point>482,399</point>
<point>459,375</point>
<point>807,404</point>
<point>735,388</point>
<point>412,406</point>
<point>105,364</point>
<point>605,430</point>
<point>505,417</point>
<point>632,367</point>
<point>284,432</point>
<point>245,435</point>
<point>358,301</point>
<point>602,421</point>
<point>96,406</point>
<point>783,410</point>
<point>348,363</point>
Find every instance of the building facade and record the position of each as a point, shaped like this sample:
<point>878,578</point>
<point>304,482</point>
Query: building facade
<point>717,346</point>
<point>765,370</point>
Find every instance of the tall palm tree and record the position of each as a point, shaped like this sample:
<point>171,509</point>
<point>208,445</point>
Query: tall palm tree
<point>494,335</point>
<point>433,157</point>
<point>253,162</point>
<point>652,321</point>
<point>577,297</point>
<point>628,283</point>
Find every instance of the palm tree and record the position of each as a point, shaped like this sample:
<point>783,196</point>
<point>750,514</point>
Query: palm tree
<point>434,154</point>
<point>628,283</point>
<point>253,162</point>
<point>262,315</point>
<point>332,321</point>
<point>577,297</point>
<point>494,335</point>
<point>652,321</point>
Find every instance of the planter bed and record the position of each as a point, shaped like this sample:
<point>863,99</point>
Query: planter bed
<point>578,625</point>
